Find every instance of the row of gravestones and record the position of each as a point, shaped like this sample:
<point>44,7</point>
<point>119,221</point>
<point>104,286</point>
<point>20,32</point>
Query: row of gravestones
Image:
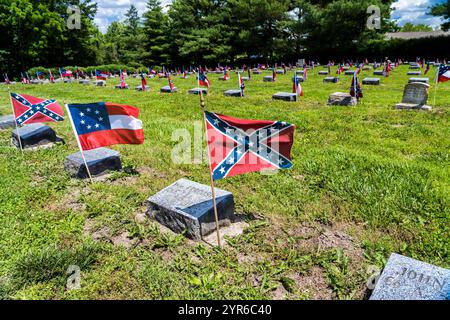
<point>186,207</point>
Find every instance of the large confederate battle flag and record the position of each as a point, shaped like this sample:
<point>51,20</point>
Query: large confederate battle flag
<point>238,146</point>
<point>29,109</point>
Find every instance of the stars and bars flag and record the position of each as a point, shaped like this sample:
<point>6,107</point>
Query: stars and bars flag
<point>297,87</point>
<point>355,89</point>
<point>29,109</point>
<point>143,81</point>
<point>65,73</point>
<point>40,75</point>
<point>443,73</point>
<point>238,146</point>
<point>101,75</point>
<point>203,80</point>
<point>225,74</point>
<point>103,124</point>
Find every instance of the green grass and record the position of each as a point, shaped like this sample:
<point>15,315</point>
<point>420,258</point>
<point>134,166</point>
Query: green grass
<point>377,174</point>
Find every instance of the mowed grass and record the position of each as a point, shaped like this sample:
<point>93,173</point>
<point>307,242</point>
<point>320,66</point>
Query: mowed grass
<point>377,175</point>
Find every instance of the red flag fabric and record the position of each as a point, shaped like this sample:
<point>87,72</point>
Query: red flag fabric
<point>29,109</point>
<point>238,146</point>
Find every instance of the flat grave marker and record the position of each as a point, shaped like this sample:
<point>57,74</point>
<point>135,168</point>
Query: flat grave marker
<point>99,162</point>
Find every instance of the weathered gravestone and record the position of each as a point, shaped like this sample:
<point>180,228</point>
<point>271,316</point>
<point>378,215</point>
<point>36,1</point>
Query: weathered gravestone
<point>167,89</point>
<point>245,78</point>
<point>345,68</point>
<point>365,68</point>
<point>280,72</point>
<point>34,135</point>
<point>268,79</point>
<point>422,80</point>
<point>414,73</point>
<point>198,91</point>
<point>118,86</point>
<point>371,81</point>
<point>404,278</point>
<point>7,122</point>
<point>99,162</point>
<point>100,83</point>
<point>84,82</point>
<point>331,79</point>
<point>139,88</point>
<point>415,97</point>
<point>285,96</point>
<point>233,93</point>
<point>414,67</point>
<point>349,72</point>
<point>187,206</point>
<point>68,80</point>
<point>256,72</point>
<point>341,99</point>
<point>323,73</point>
<point>300,72</point>
<point>378,73</point>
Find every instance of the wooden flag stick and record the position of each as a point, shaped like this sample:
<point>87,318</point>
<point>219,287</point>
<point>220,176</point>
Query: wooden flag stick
<point>78,142</point>
<point>15,121</point>
<point>435,87</point>
<point>213,189</point>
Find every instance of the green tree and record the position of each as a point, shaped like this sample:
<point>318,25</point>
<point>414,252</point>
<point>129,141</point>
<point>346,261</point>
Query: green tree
<point>442,10</point>
<point>409,27</point>
<point>156,40</point>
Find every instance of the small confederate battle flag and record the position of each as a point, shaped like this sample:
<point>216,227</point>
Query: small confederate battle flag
<point>104,124</point>
<point>238,146</point>
<point>143,81</point>
<point>29,109</point>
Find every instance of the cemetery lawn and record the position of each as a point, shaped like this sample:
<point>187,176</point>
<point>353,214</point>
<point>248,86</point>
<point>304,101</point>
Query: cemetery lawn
<point>367,181</point>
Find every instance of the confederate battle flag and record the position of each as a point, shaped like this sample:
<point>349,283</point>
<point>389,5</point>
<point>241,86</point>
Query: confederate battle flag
<point>238,146</point>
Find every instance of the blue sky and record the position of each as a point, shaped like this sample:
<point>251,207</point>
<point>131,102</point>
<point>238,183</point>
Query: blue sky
<point>413,11</point>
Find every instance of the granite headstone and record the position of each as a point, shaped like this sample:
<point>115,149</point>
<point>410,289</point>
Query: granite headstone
<point>187,206</point>
<point>99,162</point>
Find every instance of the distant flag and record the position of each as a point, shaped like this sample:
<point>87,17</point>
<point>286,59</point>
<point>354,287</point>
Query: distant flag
<point>274,74</point>
<point>443,73</point>
<point>249,72</point>
<point>355,89</point>
<point>6,79</point>
<point>225,74</point>
<point>143,81</point>
<point>305,73</point>
<point>297,88</point>
<point>387,69</point>
<point>359,68</point>
<point>101,75</point>
<point>65,73</point>
<point>171,85</point>
<point>52,78</point>
<point>241,85</point>
<point>203,80</point>
<point>238,146</point>
<point>122,80</point>
<point>340,69</point>
<point>103,124</point>
<point>428,67</point>
<point>40,75</point>
<point>29,109</point>
<point>25,78</point>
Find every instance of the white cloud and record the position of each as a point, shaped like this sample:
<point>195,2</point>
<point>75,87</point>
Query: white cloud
<point>114,10</point>
<point>415,11</point>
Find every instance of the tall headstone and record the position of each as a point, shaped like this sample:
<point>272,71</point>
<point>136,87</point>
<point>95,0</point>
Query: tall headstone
<point>415,96</point>
<point>404,278</point>
<point>187,206</point>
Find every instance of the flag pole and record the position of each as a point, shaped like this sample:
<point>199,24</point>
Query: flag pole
<point>78,142</point>
<point>435,86</point>
<point>213,189</point>
<point>15,120</point>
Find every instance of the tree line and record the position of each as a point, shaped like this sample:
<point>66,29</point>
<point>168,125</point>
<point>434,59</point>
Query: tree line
<point>191,32</point>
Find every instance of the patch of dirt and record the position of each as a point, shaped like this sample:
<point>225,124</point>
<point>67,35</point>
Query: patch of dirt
<point>332,239</point>
<point>314,284</point>
<point>230,231</point>
<point>104,234</point>
<point>280,293</point>
<point>71,200</point>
